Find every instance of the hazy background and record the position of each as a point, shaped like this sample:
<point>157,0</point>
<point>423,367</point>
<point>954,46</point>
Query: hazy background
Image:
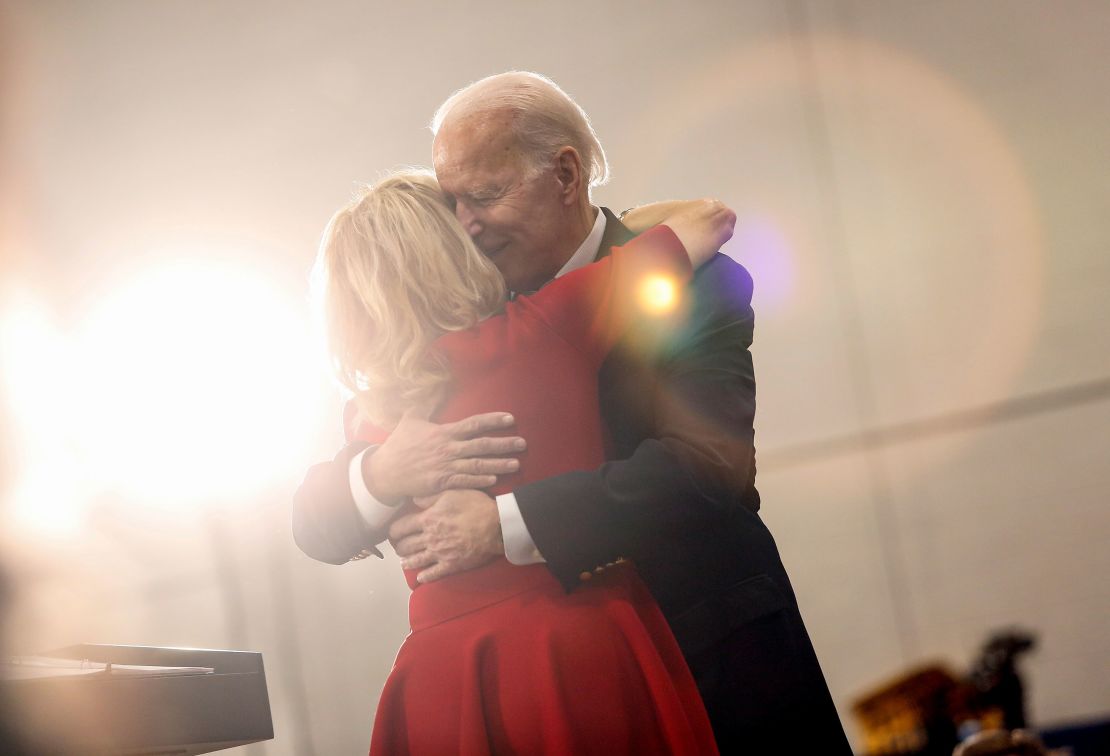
<point>922,190</point>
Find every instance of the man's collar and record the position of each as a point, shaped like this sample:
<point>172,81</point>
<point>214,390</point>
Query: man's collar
<point>616,234</point>
<point>589,247</point>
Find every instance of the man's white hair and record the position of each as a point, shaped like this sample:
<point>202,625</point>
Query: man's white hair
<point>545,118</point>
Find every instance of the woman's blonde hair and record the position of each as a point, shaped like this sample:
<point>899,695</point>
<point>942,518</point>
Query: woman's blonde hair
<point>395,271</point>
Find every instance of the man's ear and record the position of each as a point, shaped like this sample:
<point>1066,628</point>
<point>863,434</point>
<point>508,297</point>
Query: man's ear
<point>568,172</point>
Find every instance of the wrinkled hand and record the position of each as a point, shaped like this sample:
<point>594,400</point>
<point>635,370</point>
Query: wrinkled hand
<point>421,458</point>
<point>454,532</point>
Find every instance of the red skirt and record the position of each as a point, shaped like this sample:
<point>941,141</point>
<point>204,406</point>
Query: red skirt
<point>501,660</point>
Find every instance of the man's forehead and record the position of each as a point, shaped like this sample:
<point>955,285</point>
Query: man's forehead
<point>474,146</point>
<point>459,178</point>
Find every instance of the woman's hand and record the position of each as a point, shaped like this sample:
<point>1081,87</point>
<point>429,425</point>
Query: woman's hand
<point>422,458</point>
<point>702,226</point>
<point>640,219</point>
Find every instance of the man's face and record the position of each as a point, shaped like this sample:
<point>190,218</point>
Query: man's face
<point>516,216</point>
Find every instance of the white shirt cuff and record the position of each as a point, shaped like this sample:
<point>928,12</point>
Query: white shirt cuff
<point>376,514</point>
<point>519,547</point>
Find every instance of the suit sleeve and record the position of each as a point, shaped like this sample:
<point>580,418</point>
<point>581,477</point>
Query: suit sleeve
<point>327,525</point>
<point>697,459</point>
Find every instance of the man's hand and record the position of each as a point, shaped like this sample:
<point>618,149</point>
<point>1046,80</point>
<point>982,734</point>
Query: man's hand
<point>455,532</point>
<point>422,458</point>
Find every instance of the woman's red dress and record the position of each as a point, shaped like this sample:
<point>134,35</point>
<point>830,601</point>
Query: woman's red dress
<point>501,659</point>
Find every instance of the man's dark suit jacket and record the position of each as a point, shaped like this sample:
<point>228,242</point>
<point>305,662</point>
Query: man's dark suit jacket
<point>679,500</point>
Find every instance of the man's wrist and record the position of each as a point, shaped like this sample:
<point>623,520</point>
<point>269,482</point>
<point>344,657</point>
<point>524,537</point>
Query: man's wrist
<point>372,477</point>
<point>497,548</point>
<point>516,541</point>
<point>375,513</point>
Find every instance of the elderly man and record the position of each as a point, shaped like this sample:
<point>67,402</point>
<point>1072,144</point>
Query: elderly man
<point>517,157</point>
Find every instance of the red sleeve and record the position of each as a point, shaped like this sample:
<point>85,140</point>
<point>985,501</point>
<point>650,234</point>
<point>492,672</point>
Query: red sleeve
<point>593,306</point>
<point>358,428</point>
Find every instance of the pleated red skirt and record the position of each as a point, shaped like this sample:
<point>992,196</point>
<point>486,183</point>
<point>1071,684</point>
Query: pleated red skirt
<point>501,660</point>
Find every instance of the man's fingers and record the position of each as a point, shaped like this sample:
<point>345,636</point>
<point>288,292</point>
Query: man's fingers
<point>436,571</point>
<point>425,501</point>
<point>488,446</point>
<point>418,561</point>
<point>478,424</point>
<point>412,545</point>
<point>465,480</point>
<point>405,525</point>
<point>485,465</point>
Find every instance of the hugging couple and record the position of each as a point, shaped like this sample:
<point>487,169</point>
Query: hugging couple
<point>551,420</point>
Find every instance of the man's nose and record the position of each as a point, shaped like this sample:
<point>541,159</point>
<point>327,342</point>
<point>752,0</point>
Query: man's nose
<point>468,219</point>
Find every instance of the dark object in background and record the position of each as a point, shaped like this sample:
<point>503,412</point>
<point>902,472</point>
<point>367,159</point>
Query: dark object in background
<point>995,679</point>
<point>1089,737</point>
<point>909,714</point>
<point>12,742</point>
<point>928,710</point>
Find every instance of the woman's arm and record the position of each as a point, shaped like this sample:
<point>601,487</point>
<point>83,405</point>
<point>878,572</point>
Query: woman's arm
<point>640,219</point>
<point>702,226</point>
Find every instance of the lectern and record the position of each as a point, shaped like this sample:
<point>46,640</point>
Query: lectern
<point>147,701</point>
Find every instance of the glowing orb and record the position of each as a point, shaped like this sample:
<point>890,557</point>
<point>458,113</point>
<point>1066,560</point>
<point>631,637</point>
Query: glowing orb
<point>658,295</point>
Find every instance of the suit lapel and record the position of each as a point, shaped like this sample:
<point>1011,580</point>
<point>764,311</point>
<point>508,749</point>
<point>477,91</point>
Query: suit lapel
<point>616,234</point>
<point>625,381</point>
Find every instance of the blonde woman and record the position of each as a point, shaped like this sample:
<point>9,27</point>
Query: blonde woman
<point>501,659</point>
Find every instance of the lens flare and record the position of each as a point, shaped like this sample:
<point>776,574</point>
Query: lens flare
<point>658,295</point>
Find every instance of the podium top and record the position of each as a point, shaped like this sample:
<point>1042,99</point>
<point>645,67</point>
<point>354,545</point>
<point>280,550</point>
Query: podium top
<point>220,702</point>
<point>219,660</point>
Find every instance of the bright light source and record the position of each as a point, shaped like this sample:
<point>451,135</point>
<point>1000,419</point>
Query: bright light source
<point>34,370</point>
<point>658,294</point>
<point>47,495</point>
<point>50,499</point>
<point>197,383</point>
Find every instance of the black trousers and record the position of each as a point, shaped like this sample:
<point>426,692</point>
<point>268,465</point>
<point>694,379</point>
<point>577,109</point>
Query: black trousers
<point>765,693</point>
